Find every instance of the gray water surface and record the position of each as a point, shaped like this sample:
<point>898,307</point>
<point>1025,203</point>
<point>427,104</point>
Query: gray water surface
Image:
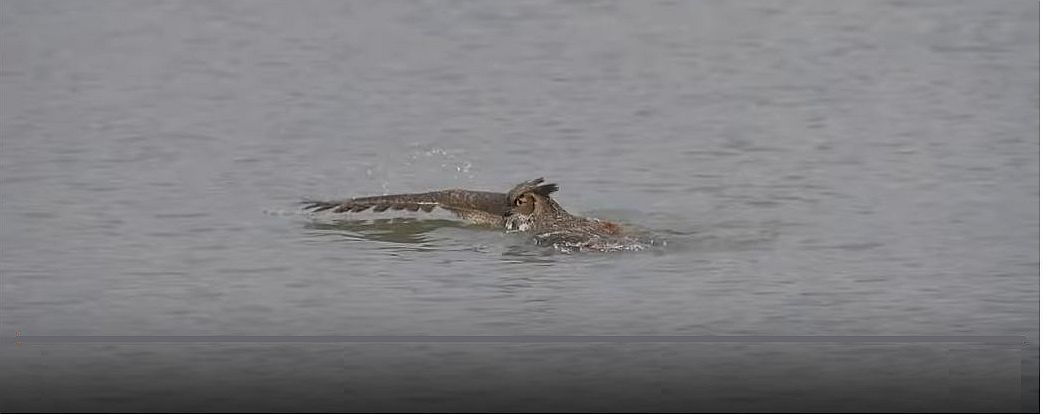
<point>812,167</point>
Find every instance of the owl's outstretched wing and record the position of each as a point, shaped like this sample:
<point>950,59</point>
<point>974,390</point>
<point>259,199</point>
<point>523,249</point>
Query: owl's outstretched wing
<point>476,206</point>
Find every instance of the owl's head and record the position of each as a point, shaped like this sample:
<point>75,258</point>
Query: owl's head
<point>530,200</point>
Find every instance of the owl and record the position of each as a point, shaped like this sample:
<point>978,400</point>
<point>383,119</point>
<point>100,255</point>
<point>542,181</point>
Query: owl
<point>527,207</point>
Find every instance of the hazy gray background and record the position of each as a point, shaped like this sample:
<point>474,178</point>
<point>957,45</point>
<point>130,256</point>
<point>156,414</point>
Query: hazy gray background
<point>815,167</point>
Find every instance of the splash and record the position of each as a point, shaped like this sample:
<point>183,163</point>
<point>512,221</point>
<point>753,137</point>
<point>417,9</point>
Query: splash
<point>570,244</point>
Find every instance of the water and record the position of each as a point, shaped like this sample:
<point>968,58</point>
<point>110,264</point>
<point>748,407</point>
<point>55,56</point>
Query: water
<point>814,167</point>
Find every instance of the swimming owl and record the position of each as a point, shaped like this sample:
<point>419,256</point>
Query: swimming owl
<point>527,207</point>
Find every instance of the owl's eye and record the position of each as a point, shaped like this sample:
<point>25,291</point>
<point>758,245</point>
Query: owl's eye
<point>517,202</point>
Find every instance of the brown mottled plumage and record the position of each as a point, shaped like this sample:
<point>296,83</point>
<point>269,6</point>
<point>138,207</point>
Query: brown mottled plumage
<point>527,207</point>
<point>536,212</point>
<point>486,208</point>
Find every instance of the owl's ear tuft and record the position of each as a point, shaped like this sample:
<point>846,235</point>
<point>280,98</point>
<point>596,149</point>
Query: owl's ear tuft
<point>546,189</point>
<point>533,186</point>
